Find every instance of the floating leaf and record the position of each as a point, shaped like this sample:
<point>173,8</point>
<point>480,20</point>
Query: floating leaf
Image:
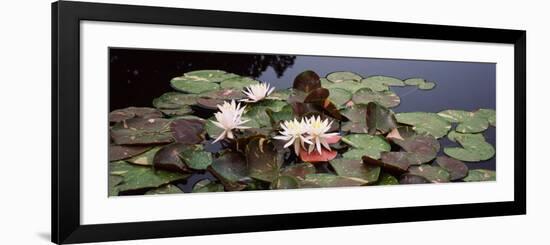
<point>215,76</point>
<point>145,158</point>
<point>209,104</point>
<point>433,174</point>
<point>141,177</point>
<point>394,162</point>
<point>193,85</point>
<point>174,100</point>
<point>385,98</point>
<point>185,110</point>
<point>364,144</point>
<point>356,113</point>
<point>212,130</point>
<point>348,85</point>
<point>131,112</point>
<point>299,170</point>
<point>474,148</point>
<point>238,83</point>
<point>468,122</point>
<point>195,157</point>
<point>120,152</point>
<point>407,179</point>
<point>263,160</point>
<point>341,76</point>
<point>284,114</point>
<point>224,94</point>
<point>258,111</point>
<point>114,180</point>
<point>167,189</point>
<point>456,168</point>
<point>489,114</point>
<point>317,96</point>
<point>381,83</point>
<point>281,94</point>
<point>230,168</point>
<point>207,185</point>
<point>420,83</point>
<point>188,131</point>
<point>387,179</point>
<point>425,122</point>
<point>285,182</point>
<point>330,180</point>
<point>141,131</point>
<point>355,169</point>
<point>355,127</point>
<point>315,156</point>
<point>420,148</point>
<point>475,175</point>
<point>168,158</point>
<point>306,81</point>
<point>380,119</point>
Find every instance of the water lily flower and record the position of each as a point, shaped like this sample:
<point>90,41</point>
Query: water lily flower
<point>317,133</point>
<point>257,92</point>
<point>228,118</point>
<point>293,132</point>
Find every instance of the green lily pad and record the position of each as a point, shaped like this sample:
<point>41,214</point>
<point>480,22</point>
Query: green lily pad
<point>456,168</point>
<point>468,122</point>
<point>420,83</point>
<point>114,181</point>
<point>286,113</point>
<point>215,76</point>
<point>263,159</point>
<point>258,111</point>
<point>230,168</point>
<point>434,174</point>
<point>339,96</point>
<point>307,81</point>
<point>280,94</point>
<point>489,114</point>
<point>330,180</point>
<point>381,83</point>
<point>146,158</point>
<point>476,175</point>
<point>420,148</point>
<point>355,169</point>
<point>141,131</point>
<point>224,94</point>
<point>341,76</point>
<point>394,162</point>
<point>131,112</point>
<point>386,98</point>
<point>188,131</point>
<point>407,179</point>
<point>387,179</point>
<point>195,157</point>
<point>425,122</point>
<point>299,170</point>
<point>285,182</point>
<point>348,85</point>
<point>137,177</point>
<point>238,83</point>
<point>168,158</point>
<point>364,144</point>
<point>380,119</point>
<point>207,185</point>
<point>355,127</point>
<point>185,110</point>
<point>355,113</point>
<point>193,85</point>
<point>474,148</point>
<point>120,152</point>
<point>174,100</point>
<point>167,189</point>
<point>209,103</point>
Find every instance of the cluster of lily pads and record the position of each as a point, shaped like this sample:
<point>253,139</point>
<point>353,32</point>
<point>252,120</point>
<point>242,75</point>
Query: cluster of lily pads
<point>241,134</point>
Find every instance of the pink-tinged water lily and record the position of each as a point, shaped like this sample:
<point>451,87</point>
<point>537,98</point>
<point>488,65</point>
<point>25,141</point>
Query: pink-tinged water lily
<point>228,118</point>
<point>293,132</point>
<point>257,92</point>
<point>317,133</point>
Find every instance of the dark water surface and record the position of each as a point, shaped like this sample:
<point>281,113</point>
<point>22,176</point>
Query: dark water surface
<point>138,76</point>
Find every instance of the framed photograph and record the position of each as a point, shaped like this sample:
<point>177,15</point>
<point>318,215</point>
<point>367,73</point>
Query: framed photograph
<point>177,122</point>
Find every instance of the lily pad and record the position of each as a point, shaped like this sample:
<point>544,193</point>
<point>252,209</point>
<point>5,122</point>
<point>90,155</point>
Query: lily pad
<point>456,168</point>
<point>258,111</point>
<point>355,113</point>
<point>174,100</point>
<point>263,159</point>
<point>307,81</point>
<point>131,112</point>
<point>188,131</point>
<point>330,180</point>
<point>286,113</point>
<point>114,180</point>
<point>474,148</point>
<point>207,185</point>
<point>387,179</point>
<point>299,170</point>
<point>120,152</point>
<point>381,83</point>
<point>364,144</point>
<point>339,96</point>
<point>380,119</point>
<point>185,110</point>
<point>167,189</point>
<point>168,158</point>
<point>146,158</point>
<point>420,148</point>
<point>475,175</point>
<point>195,157</point>
<point>341,76</point>
<point>285,182</point>
<point>386,98</point>
<point>420,83</point>
<point>193,85</point>
<point>468,122</point>
<point>425,122</point>
<point>489,114</point>
<point>230,168</point>
<point>394,162</point>
<point>209,104</point>
<point>224,94</point>
<point>215,76</point>
<point>238,83</point>
<point>315,156</point>
<point>434,174</point>
<point>280,94</point>
<point>355,169</point>
<point>141,177</point>
<point>141,131</point>
<point>348,85</point>
<point>407,179</point>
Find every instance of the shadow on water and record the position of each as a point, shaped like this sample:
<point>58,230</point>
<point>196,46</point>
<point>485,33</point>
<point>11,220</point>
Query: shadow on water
<point>137,76</point>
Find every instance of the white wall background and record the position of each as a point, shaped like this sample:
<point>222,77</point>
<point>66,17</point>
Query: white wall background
<point>25,120</point>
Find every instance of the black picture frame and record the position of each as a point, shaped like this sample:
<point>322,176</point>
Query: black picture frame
<point>66,18</point>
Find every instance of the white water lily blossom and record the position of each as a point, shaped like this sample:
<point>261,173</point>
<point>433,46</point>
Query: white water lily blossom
<point>317,133</point>
<point>257,92</point>
<point>293,132</point>
<point>228,118</point>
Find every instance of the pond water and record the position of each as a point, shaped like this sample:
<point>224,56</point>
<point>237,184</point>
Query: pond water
<point>138,76</point>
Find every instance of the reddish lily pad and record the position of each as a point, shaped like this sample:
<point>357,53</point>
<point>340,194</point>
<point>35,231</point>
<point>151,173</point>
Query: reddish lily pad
<point>263,160</point>
<point>330,180</point>
<point>168,158</point>
<point>209,103</point>
<point>315,157</point>
<point>224,94</point>
<point>421,148</point>
<point>407,179</point>
<point>174,100</point>
<point>299,170</point>
<point>146,158</point>
<point>120,152</point>
<point>131,112</point>
<point>307,81</point>
<point>355,169</point>
<point>141,131</point>
<point>434,174</point>
<point>456,168</point>
<point>188,131</point>
<point>380,119</point>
